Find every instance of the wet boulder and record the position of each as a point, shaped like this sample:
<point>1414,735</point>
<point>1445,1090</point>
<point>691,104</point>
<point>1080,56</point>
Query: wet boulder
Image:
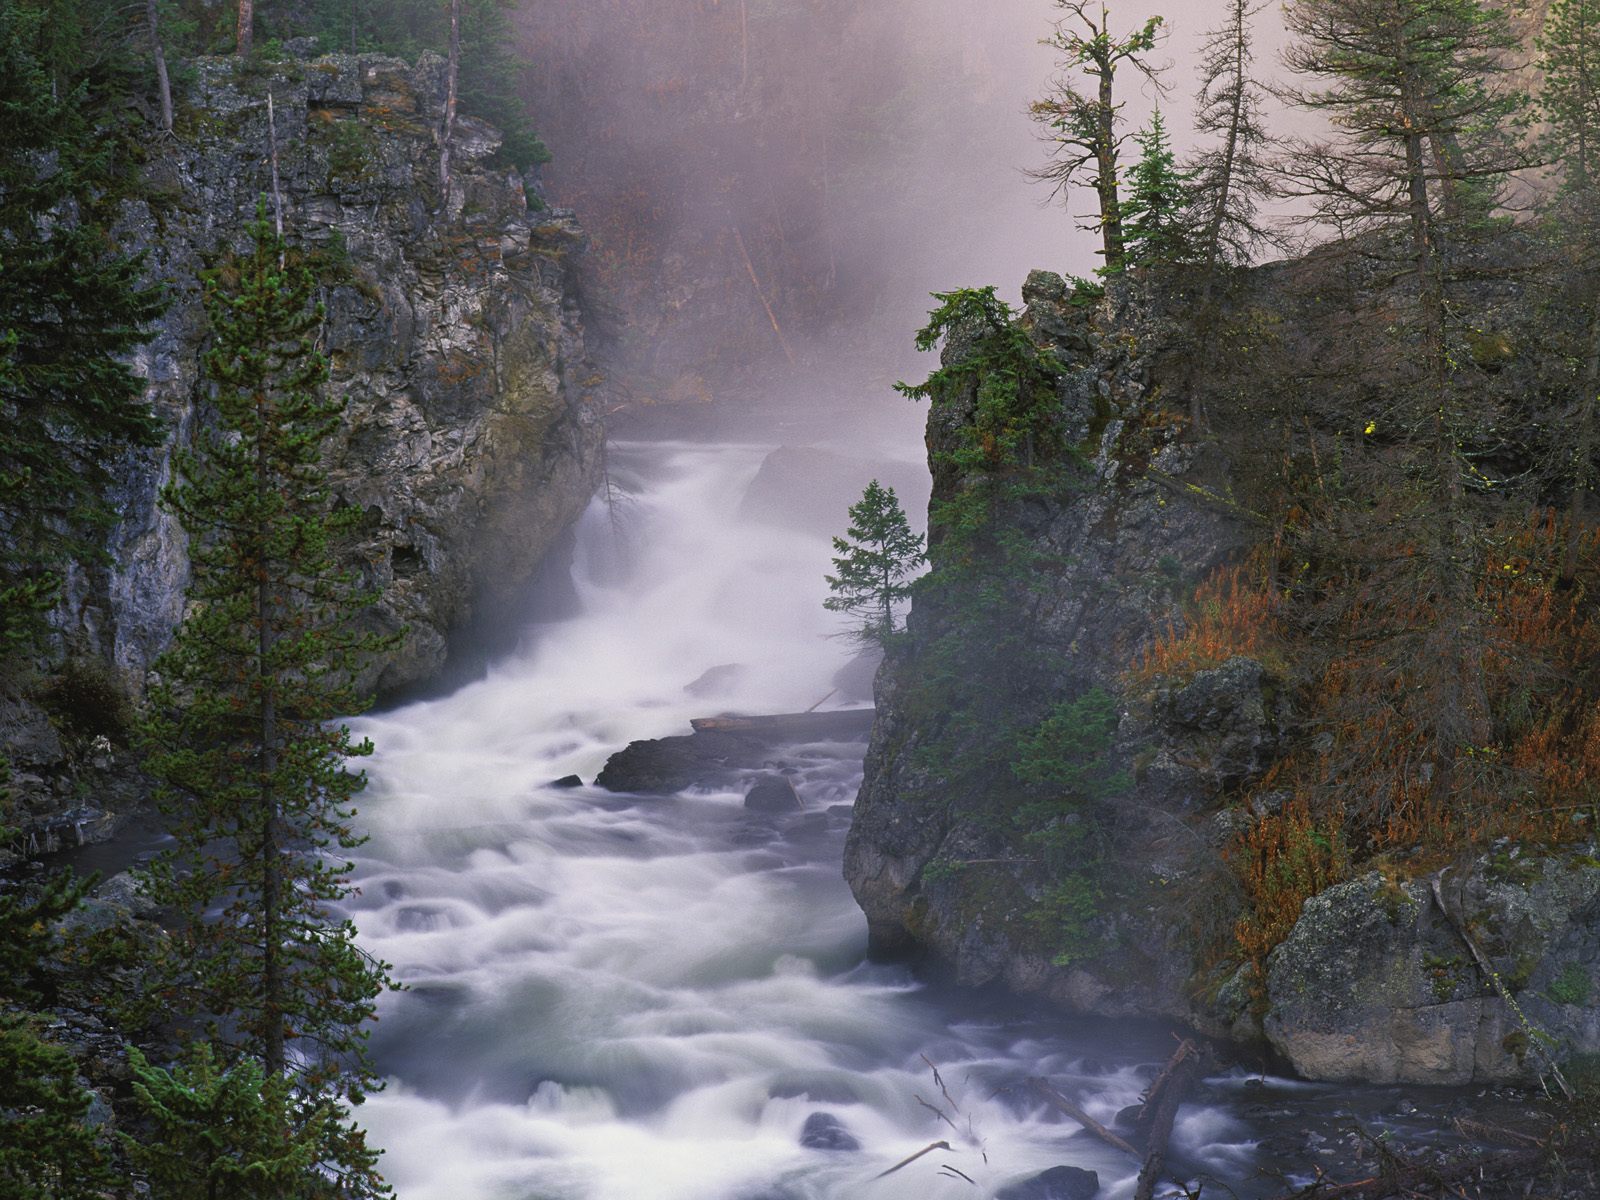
<point>824,1131</point>
<point>773,795</point>
<point>1058,1183</point>
<point>567,781</point>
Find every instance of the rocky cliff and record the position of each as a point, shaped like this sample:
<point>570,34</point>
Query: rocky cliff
<point>1127,906</point>
<point>453,329</point>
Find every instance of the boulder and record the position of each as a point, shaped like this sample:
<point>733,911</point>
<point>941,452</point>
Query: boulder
<point>1375,983</point>
<point>567,781</point>
<point>1058,1183</point>
<point>773,795</point>
<point>824,1131</point>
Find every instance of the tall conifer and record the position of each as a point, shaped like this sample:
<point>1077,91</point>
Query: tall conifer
<point>244,732</point>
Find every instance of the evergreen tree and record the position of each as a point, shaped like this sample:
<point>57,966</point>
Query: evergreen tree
<point>47,1149</point>
<point>1425,122</point>
<point>1570,105</point>
<point>1084,131</point>
<point>1155,226</point>
<point>71,308</point>
<point>1233,176</point>
<point>875,562</point>
<point>243,730</point>
<point>231,1132</point>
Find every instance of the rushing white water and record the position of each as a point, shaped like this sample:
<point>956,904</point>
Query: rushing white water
<point>614,999</point>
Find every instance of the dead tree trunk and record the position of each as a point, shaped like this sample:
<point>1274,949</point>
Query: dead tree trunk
<point>163,84</point>
<point>453,71</point>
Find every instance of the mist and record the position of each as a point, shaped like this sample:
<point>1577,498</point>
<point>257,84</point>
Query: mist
<point>763,178</point>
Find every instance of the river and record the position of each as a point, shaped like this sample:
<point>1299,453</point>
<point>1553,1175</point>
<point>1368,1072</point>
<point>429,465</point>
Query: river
<point>614,998</point>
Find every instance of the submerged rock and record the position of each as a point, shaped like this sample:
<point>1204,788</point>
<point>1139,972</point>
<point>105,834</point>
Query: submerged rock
<point>773,794</point>
<point>1058,1183</point>
<point>824,1131</point>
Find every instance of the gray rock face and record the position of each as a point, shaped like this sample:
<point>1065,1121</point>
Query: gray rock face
<point>1126,545</point>
<point>1377,983</point>
<point>452,329</point>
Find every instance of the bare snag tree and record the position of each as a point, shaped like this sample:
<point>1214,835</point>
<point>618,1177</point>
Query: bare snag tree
<point>1084,128</point>
<point>1230,180</point>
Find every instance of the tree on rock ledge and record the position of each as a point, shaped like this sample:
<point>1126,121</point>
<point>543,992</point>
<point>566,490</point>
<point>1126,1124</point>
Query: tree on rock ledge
<point>875,562</point>
<point>243,732</point>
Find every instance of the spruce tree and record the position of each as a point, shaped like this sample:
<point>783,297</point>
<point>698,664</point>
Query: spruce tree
<point>244,730</point>
<point>1155,224</point>
<point>875,561</point>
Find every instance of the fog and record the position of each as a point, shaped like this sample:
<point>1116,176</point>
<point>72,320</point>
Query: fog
<point>789,179</point>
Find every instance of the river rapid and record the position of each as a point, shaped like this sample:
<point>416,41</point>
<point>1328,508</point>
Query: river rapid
<point>614,998</point>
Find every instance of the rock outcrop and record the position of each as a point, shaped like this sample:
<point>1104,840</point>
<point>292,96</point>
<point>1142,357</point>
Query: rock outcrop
<point>452,327</point>
<point>1479,973</point>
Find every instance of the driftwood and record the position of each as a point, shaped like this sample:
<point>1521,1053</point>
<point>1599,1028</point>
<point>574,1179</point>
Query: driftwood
<point>1057,1101</point>
<point>1160,1109</point>
<point>791,725</point>
<point>906,1162</point>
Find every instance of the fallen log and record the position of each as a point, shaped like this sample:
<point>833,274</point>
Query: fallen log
<point>785,726</point>
<point>1161,1105</point>
<point>1059,1102</point>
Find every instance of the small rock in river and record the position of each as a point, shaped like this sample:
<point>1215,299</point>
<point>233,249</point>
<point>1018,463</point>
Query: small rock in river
<point>567,781</point>
<point>822,1131</point>
<point>1058,1183</point>
<point>772,794</point>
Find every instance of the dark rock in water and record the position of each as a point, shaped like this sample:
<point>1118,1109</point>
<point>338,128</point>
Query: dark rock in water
<point>773,794</point>
<point>567,781</point>
<point>853,681</point>
<point>823,1131</point>
<point>722,750</point>
<point>717,679</point>
<point>1058,1183</point>
<point>1128,1118</point>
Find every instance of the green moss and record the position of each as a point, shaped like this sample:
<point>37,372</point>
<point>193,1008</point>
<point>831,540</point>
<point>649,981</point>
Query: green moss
<point>1571,986</point>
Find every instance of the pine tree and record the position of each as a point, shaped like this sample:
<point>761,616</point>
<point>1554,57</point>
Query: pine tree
<point>875,561</point>
<point>244,732</point>
<point>1085,131</point>
<point>70,310</point>
<point>1155,226</point>
<point>1233,176</point>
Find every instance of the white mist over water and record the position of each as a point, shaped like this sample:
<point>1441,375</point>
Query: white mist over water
<point>645,1000</point>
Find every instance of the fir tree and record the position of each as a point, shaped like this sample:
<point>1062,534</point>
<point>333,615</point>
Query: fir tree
<point>244,732</point>
<point>70,310</point>
<point>1155,229</point>
<point>875,562</point>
